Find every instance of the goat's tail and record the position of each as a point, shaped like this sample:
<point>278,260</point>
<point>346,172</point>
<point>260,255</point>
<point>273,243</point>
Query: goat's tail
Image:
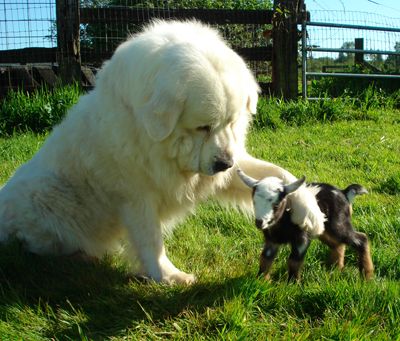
<point>351,191</point>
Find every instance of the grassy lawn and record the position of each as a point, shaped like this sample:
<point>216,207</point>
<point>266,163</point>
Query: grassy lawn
<point>45,298</point>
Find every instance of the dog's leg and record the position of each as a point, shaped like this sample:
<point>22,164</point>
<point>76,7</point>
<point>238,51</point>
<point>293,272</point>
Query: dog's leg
<point>145,235</point>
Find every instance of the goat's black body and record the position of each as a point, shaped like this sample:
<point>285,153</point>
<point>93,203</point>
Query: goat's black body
<point>336,205</point>
<point>337,209</point>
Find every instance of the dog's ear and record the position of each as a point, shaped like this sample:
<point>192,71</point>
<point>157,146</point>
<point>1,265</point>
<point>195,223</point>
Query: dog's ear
<point>252,98</point>
<point>252,103</point>
<point>160,114</point>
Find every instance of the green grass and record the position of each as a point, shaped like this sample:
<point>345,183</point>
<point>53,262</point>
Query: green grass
<point>44,298</point>
<point>37,111</point>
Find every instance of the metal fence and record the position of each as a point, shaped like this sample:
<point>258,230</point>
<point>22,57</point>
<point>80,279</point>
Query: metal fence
<point>27,24</point>
<point>30,47</point>
<point>349,44</point>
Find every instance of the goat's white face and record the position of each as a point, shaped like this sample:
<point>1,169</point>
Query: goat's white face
<point>267,196</point>
<point>268,193</point>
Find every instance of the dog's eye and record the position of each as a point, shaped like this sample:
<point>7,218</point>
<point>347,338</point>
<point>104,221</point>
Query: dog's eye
<point>206,129</point>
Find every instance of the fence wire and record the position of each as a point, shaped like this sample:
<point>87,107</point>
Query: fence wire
<point>336,38</point>
<point>27,24</point>
<point>99,39</point>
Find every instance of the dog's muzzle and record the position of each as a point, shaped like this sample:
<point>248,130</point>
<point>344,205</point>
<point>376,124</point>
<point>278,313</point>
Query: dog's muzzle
<point>222,163</point>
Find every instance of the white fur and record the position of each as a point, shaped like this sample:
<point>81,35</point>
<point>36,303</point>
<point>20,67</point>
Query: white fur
<point>136,155</point>
<point>266,195</point>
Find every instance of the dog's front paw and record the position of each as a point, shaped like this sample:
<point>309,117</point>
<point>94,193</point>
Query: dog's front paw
<point>180,278</point>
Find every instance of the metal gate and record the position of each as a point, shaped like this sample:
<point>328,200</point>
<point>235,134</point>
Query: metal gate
<point>358,51</point>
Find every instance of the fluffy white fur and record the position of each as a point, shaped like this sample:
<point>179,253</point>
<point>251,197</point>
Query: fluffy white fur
<point>139,152</point>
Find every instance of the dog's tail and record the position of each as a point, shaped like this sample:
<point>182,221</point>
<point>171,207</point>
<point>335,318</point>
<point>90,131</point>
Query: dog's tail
<point>352,191</point>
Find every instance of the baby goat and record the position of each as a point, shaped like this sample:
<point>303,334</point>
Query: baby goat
<point>273,217</point>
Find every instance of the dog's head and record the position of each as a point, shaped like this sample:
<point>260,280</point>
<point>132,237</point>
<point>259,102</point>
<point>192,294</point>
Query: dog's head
<point>191,95</point>
<point>200,100</point>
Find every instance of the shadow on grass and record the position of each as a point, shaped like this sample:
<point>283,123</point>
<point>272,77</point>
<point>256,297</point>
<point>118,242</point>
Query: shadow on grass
<point>100,300</point>
<point>109,300</point>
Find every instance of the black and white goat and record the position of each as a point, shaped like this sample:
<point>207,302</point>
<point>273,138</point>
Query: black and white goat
<point>273,217</point>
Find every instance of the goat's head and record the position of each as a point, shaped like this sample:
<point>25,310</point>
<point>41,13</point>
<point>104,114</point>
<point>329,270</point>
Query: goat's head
<point>269,197</point>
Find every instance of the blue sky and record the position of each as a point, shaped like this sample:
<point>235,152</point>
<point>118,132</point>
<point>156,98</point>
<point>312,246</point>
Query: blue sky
<point>390,8</point>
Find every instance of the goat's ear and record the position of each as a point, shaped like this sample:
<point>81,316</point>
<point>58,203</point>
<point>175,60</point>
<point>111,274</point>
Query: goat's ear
<point>294,185</point>
<point>247,180</point>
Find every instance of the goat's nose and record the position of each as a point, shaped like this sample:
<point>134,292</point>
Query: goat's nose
<point>259,223</point>
<point>222,164</point>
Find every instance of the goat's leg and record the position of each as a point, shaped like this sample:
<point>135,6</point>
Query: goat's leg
<point>359,241</point>
<point>267,257</point>
<point>296,257</point>
<point>337,250</point>
<point>337,256</point>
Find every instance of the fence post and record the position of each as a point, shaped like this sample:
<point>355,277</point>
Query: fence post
<point>68,43</point>
<point>285,51</point>
<point>359,56</point>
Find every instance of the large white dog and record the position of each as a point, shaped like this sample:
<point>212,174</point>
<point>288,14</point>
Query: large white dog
<point>163,130</point>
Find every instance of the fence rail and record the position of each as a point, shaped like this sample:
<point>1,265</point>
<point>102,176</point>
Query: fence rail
<point>322,49</point>
<point>29,55</point>
<point>211,16</point>
<point>351,26</point>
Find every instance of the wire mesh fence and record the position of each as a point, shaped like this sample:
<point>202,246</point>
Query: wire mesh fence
<point>28,31</point>
<point>319,37</point>
<point>25,24</point>
<point>102,30</point>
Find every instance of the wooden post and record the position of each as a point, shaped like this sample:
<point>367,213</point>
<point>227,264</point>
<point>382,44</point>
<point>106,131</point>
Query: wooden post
<point>68,43</point>
<point>359,56</point>
<point>285,51</point>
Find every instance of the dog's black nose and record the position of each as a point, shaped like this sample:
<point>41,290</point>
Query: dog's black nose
<point>222,164</point>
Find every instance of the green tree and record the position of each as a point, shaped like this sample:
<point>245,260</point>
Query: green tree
<point>392,63</point>
<point>345,57</point>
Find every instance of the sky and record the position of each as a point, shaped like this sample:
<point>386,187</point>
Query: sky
<point>26,23</point>
<point>390,8</point>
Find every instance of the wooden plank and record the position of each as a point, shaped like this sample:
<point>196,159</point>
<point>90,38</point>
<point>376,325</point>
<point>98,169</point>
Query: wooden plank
<point>12,77</point>
<point>29,55</point>
<point>45,74</point>
<point>255,53</point>
<point>128,15</point>
<point>248,53</point>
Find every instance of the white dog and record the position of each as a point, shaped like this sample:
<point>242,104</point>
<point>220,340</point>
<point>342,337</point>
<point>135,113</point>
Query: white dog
<point>161,132</point>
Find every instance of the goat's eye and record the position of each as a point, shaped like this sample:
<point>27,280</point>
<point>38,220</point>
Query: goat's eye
<point>206,129</point>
